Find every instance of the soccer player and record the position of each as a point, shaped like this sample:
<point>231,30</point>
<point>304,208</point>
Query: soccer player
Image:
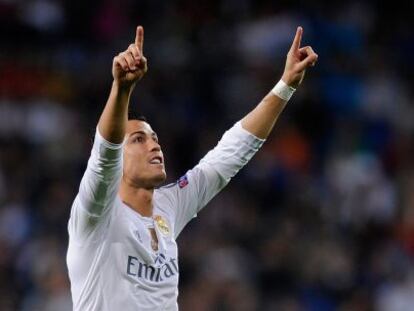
<point>122,252</point>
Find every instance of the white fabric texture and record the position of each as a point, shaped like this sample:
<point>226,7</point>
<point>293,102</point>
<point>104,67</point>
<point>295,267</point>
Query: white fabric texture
<point>110,260</point>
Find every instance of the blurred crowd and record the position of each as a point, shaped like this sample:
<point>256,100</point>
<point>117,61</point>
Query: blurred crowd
<point>323,216</point>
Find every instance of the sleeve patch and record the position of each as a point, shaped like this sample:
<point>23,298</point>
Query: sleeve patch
<point>183,181</point>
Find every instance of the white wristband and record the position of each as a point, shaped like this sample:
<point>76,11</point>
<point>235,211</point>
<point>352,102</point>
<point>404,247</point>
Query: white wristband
<point>283,90</point>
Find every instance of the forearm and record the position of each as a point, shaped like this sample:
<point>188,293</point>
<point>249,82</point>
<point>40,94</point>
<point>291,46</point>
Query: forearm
<point>261,120</point>
<point>114,117</point>
<point>128,67</point>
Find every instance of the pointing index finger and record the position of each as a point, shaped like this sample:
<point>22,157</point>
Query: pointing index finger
<point>139,38</point>
<point>298,38</point>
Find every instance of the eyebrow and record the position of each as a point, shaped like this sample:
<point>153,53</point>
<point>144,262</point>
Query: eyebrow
<point>143,133</point>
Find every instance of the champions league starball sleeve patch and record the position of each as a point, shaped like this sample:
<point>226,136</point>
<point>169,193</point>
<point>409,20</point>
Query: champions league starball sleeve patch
<point>183,181</point>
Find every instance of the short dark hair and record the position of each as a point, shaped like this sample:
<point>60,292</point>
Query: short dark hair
<point>133,115</point>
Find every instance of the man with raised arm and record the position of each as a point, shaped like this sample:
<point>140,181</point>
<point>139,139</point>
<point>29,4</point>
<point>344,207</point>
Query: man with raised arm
<point>122,252</point>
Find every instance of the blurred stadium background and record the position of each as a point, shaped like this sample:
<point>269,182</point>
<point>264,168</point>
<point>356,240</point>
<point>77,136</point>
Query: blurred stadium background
<point>321,219</point>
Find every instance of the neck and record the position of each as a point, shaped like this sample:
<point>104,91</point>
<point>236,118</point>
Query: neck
<point>137,198</point>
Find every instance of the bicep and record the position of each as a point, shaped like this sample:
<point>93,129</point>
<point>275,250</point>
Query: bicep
<point>84,226</point>
<point>99,186</point>
<point>193,191</point>
<point>213,173</point>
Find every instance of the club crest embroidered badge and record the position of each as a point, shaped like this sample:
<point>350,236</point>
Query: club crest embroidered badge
<point>162,224</point>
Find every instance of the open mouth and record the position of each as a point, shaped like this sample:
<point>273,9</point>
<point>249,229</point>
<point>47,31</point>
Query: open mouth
<point>156,160</point>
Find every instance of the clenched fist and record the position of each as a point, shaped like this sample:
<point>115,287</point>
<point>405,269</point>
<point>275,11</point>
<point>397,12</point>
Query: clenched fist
<point>131,65</point>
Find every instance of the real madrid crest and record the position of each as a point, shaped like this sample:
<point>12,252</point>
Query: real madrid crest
<point>162,224</point>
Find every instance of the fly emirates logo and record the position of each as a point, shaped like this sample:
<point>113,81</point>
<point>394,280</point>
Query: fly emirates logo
<point>161,270</point>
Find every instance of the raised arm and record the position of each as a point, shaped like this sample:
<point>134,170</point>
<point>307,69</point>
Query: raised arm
<point>128,67</point>
<point>260,120</point>
<point>239,144</point>
<point>100,183</point>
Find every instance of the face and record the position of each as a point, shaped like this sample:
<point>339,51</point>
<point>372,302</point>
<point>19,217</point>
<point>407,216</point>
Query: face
<point>143,158</point>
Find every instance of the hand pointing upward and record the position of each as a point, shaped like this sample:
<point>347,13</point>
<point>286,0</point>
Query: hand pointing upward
<point>298,60</point>
<point>131,65</point>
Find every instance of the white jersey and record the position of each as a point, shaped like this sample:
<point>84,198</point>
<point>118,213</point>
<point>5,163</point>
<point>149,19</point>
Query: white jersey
<point>111,263</point>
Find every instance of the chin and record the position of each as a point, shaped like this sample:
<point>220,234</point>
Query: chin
<point>150,180</point>
<point>159,179</point>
